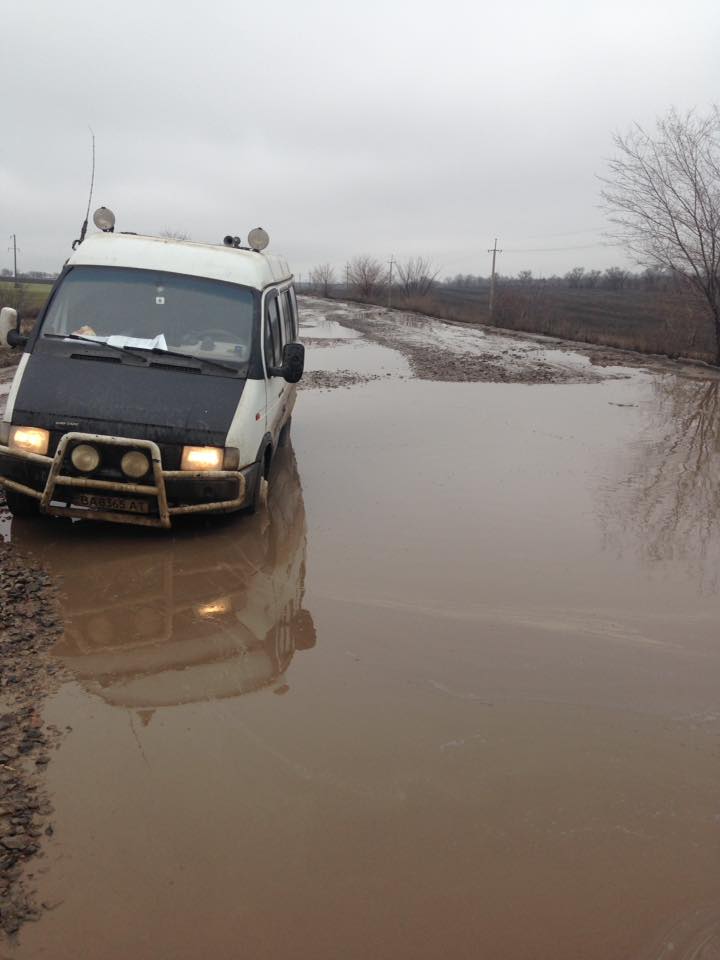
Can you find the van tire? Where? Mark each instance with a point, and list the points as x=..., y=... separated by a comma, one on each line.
x=252, y=505
x=284, y=437
x=259, y=493
x=21, y=505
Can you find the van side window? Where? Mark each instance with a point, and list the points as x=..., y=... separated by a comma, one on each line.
x=288, y=318
x=293, y=304
x=273, y=337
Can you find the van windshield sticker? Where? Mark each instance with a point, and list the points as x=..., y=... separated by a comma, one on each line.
x=156, y=343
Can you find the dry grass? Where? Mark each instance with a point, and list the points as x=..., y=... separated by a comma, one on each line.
x=668, y=323
x=27, y=298
x=8, y=357
x=672, y=324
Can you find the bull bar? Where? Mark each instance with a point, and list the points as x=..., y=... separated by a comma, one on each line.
x=156, y=489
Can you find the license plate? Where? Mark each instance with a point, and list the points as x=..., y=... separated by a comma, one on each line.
x=92, y=501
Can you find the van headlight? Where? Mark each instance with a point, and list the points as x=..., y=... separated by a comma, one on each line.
x=202, y=458
x=29, y=439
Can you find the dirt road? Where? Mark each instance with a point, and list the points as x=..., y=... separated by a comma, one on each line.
x=454, y=694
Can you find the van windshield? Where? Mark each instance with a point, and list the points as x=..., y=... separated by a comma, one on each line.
x=149, y=309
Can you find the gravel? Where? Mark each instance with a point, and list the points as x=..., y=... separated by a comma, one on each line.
x=332, y=379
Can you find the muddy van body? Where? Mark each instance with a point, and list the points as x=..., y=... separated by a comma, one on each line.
x=158, y=381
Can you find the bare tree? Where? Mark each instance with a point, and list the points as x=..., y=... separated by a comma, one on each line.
x=575, y=277
x=365, y=274
x=655, y=278
x=322, y=278
x=417, y=276
x=670, y=505
x=663, y=195
x=174, y=235
x=615, y=278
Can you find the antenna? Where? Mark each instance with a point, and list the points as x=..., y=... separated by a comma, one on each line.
x=83, y=229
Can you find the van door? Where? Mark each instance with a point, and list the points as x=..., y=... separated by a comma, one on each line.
x=275, y=386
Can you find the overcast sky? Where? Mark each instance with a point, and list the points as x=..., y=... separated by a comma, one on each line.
x=386, y=127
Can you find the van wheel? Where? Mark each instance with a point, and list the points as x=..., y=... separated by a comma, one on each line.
x=284, y=437
x=21, y=505
x=260, y=490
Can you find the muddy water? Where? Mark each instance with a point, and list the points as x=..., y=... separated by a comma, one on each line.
x=454, y=694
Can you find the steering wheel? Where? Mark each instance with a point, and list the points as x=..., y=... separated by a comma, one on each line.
x=193, y=336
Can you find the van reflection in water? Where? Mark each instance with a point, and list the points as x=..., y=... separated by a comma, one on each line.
x=214, y=611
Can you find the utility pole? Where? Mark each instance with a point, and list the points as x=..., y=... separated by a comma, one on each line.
x=494, y=251
x=347, y=278
x=14, y=240
x=391, y=261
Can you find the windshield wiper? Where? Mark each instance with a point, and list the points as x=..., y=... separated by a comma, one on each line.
x=97, y=343
x=158, y=351
x=140, y=352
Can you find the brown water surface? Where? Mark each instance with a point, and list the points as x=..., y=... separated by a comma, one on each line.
x=454, y=694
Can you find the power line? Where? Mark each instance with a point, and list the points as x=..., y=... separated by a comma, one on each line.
x=566, y=233
x=524, y=250
x=577, y=246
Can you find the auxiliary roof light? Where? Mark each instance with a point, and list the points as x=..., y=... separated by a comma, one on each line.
x=104, y=219
x=232, y=241
x=258, y=239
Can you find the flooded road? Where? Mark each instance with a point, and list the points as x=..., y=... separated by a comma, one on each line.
x=455, y=693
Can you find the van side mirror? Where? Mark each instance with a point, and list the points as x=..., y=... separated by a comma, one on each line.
x=293, y=363
x=10, y=335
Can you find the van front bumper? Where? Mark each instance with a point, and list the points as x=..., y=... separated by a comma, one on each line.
x=164, y=494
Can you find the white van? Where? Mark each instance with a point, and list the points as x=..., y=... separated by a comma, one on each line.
x=159, y=380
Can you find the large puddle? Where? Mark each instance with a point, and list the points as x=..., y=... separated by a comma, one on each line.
x=454, y=694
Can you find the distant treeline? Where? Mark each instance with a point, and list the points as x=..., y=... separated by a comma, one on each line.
x=30, y=276
x=613, y=278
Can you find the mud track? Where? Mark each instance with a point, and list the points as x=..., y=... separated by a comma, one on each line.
x=437, y=350
x=443, y=350
x=29, y=625
x=332, y=379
